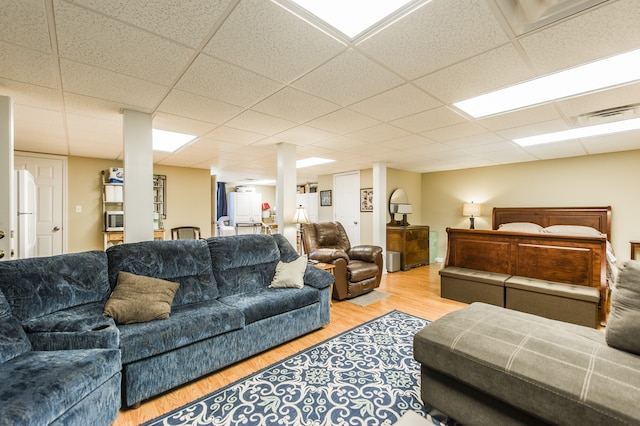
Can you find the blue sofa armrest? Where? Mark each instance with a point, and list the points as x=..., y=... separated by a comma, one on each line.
x=317, y=278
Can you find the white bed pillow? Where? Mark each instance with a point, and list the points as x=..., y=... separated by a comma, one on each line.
x=577, y=230
x=531, y=228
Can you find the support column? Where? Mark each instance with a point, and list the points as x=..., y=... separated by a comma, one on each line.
x=380, y=205
x=286, y=192
x=138, y=177
x=7, y=208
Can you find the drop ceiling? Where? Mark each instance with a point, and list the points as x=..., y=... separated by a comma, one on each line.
x=246, y=75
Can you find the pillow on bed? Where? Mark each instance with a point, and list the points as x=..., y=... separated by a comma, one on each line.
x=623, y=325
x=531, y=228
x=577, y=230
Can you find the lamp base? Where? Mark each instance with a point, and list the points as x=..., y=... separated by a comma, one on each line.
x=404, y=220
x=471, y=223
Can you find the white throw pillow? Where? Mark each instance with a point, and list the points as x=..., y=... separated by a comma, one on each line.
x=531, y=228
x=290, y=275
x=576, y=230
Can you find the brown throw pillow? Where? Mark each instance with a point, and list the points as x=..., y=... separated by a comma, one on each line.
x=140, y=299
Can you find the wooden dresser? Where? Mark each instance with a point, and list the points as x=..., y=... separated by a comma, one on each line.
x=412, y=242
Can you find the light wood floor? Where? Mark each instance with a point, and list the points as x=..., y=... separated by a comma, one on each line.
x=415, y=292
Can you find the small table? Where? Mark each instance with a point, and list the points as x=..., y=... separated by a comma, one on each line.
x=634, y=246
x=329, y=268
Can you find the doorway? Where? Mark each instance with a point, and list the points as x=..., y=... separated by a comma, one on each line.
x=347, y=204
x=49, y=173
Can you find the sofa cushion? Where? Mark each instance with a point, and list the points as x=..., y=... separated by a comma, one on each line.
x=38, y=286
x=13, y=340
x=243, y=263
x=38, y=387
x=290, y=275
x=140, y=299
x=187, y=324
x=79, y=327
x=267, y=303
x=623, y=326
x=563, y=372
x=185, y=262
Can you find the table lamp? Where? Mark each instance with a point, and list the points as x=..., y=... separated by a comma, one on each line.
x=266, y=213
x=472, y=210
x=404, y=210
x=298, y=218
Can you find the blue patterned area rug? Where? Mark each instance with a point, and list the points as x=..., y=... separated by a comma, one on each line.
x=365, y=376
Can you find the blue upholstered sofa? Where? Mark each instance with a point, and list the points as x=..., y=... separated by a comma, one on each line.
x=223, y=310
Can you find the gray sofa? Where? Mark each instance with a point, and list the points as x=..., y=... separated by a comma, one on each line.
x=487, y=365
x=222, y=312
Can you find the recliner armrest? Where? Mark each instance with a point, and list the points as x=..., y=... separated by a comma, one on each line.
x=327, y=255
x=366, y=253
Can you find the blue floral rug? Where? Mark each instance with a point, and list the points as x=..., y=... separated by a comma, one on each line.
x=365, y=376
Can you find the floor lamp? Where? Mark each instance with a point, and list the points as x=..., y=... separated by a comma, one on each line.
x=299, y=218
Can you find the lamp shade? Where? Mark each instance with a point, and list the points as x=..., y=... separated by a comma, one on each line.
x=404, y=209
x=301, y=216
x=471, y=209
x=265, y=206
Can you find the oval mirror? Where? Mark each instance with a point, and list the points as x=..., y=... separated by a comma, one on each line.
x=398, y=196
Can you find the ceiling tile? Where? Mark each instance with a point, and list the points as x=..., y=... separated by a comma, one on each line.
x=378, y=133
x=348, y=78
x=24, y=22
x=168, y=18
x=236, y=136
x=224, y=82
x=257, y=122
x=342, y=122
x=495, y=69
x=176, y=123
x=96, y=40
x=538, y=114
x=187, y=104
x=598, y=33
x=549, y=151
x=395, y=103
x=408, y=143
x=299, y=135
x=31, y=95
x=252, y=38
x=295, y=105
x=435, y=36
x=455, y=131
x=27, y=66
x=429, y=120
x=612, y=143
x=98, y=83
x=621, y=96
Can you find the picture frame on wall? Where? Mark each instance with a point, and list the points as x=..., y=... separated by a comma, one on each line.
x=325, y=198
x=366, y=200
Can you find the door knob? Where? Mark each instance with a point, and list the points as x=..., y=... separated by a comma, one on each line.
x=1, y=234
x=56, y=229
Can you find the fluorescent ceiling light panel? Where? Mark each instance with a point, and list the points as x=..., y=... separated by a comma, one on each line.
x=311, y=161
x=164, y=140
x=582, y=132
x=352, y=17
x=601, y=74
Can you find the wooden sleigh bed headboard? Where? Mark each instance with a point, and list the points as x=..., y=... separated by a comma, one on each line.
x=594, y=217
x=579, y=260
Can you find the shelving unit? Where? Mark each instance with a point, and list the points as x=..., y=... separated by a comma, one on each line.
x=113, y=200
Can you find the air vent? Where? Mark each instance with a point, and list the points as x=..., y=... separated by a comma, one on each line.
x=624, y=112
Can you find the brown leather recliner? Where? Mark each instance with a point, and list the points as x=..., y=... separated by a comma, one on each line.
x=358, y=270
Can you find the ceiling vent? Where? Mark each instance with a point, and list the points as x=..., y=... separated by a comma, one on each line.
x=624, y=112
x=524, y=16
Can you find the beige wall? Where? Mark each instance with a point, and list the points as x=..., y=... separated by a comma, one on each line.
x=594, y=180
x=188, y=200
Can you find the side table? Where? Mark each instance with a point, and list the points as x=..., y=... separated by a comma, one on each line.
x=329, y=268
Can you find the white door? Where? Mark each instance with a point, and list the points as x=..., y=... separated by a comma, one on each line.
x=48, y=173
x=346, y=209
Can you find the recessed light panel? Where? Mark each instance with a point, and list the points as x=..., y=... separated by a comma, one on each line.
x=164, y=140
x=311, y=161
x=351, y=17
x=582, y=132
x=605, y=73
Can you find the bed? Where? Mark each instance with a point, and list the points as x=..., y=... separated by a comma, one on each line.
x=562, y=244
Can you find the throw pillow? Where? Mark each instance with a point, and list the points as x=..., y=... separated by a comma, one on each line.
x=623, y=325
x=140, y=299
x=290, y=275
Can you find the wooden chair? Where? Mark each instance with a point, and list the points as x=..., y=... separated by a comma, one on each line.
x=185, y=233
